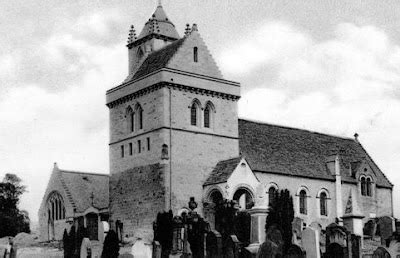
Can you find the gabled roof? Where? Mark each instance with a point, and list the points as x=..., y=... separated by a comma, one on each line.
x=222, y=171
x=159, y=24
x=290, y=151
x=81, y=187
x=158, y=59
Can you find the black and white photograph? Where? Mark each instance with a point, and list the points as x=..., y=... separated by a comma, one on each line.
x=203, y=129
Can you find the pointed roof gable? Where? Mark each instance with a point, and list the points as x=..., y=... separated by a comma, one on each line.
x=222, y=171
x=291, y=151
x=159, y=24
x=178, y=55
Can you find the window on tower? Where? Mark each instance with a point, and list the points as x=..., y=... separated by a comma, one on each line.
x=208, y=115
x=195, y=55
x=193, y=114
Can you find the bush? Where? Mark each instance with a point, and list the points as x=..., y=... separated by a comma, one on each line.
x=111, y=245
x=281, y=214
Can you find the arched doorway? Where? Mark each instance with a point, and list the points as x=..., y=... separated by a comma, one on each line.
x=214, y=199
x=244, y=198
x=92, y=226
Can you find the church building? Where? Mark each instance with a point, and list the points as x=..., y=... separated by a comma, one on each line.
x=175, y=134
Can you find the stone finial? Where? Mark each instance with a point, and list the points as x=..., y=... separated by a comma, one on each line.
x=356, y=137
x=132, y=35
x=187, y=29
x=55, y=165
x=194, y=27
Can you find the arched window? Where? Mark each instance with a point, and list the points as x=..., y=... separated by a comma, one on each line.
x=244, y=199
x=303, y=202
x=195, y=55
x=207, y=117
x=369, y=186
x=363, y=186
x=193, y=114
x=140, y=117
x=56, y=209
x=271, y=195
x=323, y=204
x=139, y=54
x=130, y=115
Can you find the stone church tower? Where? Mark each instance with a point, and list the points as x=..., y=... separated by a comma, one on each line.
x=171, y=121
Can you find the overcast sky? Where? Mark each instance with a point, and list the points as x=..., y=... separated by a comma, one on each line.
x=327, y=66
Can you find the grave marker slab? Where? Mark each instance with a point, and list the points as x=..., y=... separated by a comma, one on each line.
x=310, y=242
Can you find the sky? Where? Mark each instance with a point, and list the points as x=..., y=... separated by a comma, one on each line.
x=326, y=66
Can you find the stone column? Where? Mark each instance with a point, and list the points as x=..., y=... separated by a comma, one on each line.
x=257, y=230
x=338, y=184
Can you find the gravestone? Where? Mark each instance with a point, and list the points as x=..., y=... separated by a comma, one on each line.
x=336, y=234
x=125, y=255
x=334, y=250
x=386, y=229
x=381, y=252
x=394, y=248
x=295, y=251
x=355, y=246
x=370, y=228
x=86, y=248
x=269, y=249
x=141, y=250
x=297, y=226
x=232, y=249
x=156, y=249
x=214, y=244
x=310, y=242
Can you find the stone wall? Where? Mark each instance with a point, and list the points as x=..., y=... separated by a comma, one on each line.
x=313, y=187
x=54, y=184
x=136, y=196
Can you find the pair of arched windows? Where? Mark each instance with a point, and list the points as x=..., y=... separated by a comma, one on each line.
x=195, y=118
x=323, y=202
x=56, y=209
x=366, y=186
x=135, y=118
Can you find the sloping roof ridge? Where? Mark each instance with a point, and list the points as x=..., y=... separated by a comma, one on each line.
x=67, y=191
x=295, y=129
x=372, y=160
x=230, y=159
x=84, y=173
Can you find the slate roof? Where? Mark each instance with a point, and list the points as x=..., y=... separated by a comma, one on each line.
x=81, y=185
x=222, y=171
x=290, y=151
x=158, y=59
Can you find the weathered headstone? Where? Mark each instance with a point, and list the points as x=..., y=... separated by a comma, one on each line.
x=381, y=252
x=355, y=246
x=394, y=248
x=214, y=244
x=336, y=234
x=310, y=242
x=156, y=249
x=86, y=248
x=386, y=229
x=370, y=228
x=232, y=247
x=269, y=249
x=295, y=251
x=297, y=226
x=141, y=250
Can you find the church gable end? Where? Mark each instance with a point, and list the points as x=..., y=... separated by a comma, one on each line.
x=194, y=57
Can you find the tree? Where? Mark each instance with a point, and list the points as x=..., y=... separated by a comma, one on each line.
x=281, y=215
x=12, y=220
